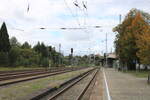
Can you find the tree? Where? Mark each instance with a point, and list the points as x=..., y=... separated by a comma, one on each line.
x=14, y=42
x=3, y=59
x=139, y=26
x=126, y=39
x=143, y=44
x=45, y=62
x=42, y=49
x=29, y=57
x=4, y=39
x=124, y=42
x=37, y=47
x=26, y=45
x=13, y=55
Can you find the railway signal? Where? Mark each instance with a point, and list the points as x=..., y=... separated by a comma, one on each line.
x=71, y=50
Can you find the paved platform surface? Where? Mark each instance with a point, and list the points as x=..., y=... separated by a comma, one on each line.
x=123, y=86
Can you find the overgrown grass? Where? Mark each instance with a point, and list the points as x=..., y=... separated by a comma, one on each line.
x=140, y=74
x=12, y=68
x=22, y=90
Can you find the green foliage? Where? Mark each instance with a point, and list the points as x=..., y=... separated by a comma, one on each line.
x=4, y=45
x=86, y=60
x=13, y=55
x=42, y=49
x=45, y=62
x=14, y=42
x=26, y=45
x=26, y=62
x=4, y=39
x=37, y=47
x=4, y=59
x=29, y=57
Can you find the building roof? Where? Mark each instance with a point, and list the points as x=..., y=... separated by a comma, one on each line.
x=112, y=55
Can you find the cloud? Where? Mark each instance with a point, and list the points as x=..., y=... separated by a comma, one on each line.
x=54, y=14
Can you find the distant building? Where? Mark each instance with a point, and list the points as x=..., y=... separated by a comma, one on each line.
x=111, y=59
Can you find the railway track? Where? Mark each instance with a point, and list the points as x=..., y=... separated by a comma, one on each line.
x=15, y=71
x=10, y=81
x=73, y=90
x=5, y=73
x=22, y=74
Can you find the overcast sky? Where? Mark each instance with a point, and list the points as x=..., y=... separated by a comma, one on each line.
x=54, y=14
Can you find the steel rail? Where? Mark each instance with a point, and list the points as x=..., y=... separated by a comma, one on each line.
x=26, y=74
x=36, y=77
x=87, y=86
x=68, y=87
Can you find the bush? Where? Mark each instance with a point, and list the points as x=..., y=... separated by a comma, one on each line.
x=45, y=62
x=28, y=57
x=13, y=55
x=4, y=59
x=22, y=62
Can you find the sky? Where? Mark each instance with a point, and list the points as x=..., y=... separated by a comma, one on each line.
x=25, y=24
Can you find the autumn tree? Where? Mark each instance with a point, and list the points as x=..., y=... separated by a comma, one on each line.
x=125, y=43
x=139, y=27
x=143, y=44
x=129, y=32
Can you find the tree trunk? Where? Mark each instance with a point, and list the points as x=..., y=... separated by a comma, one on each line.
x=139, y=67
x=131, y=65
x=146, y=68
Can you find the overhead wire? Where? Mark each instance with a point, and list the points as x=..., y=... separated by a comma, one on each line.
x=86, y=24
x=64, y=28
x=71, y=12
x=84, y=11
x=80, y=7
x=77, y=10
x=28, y=6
